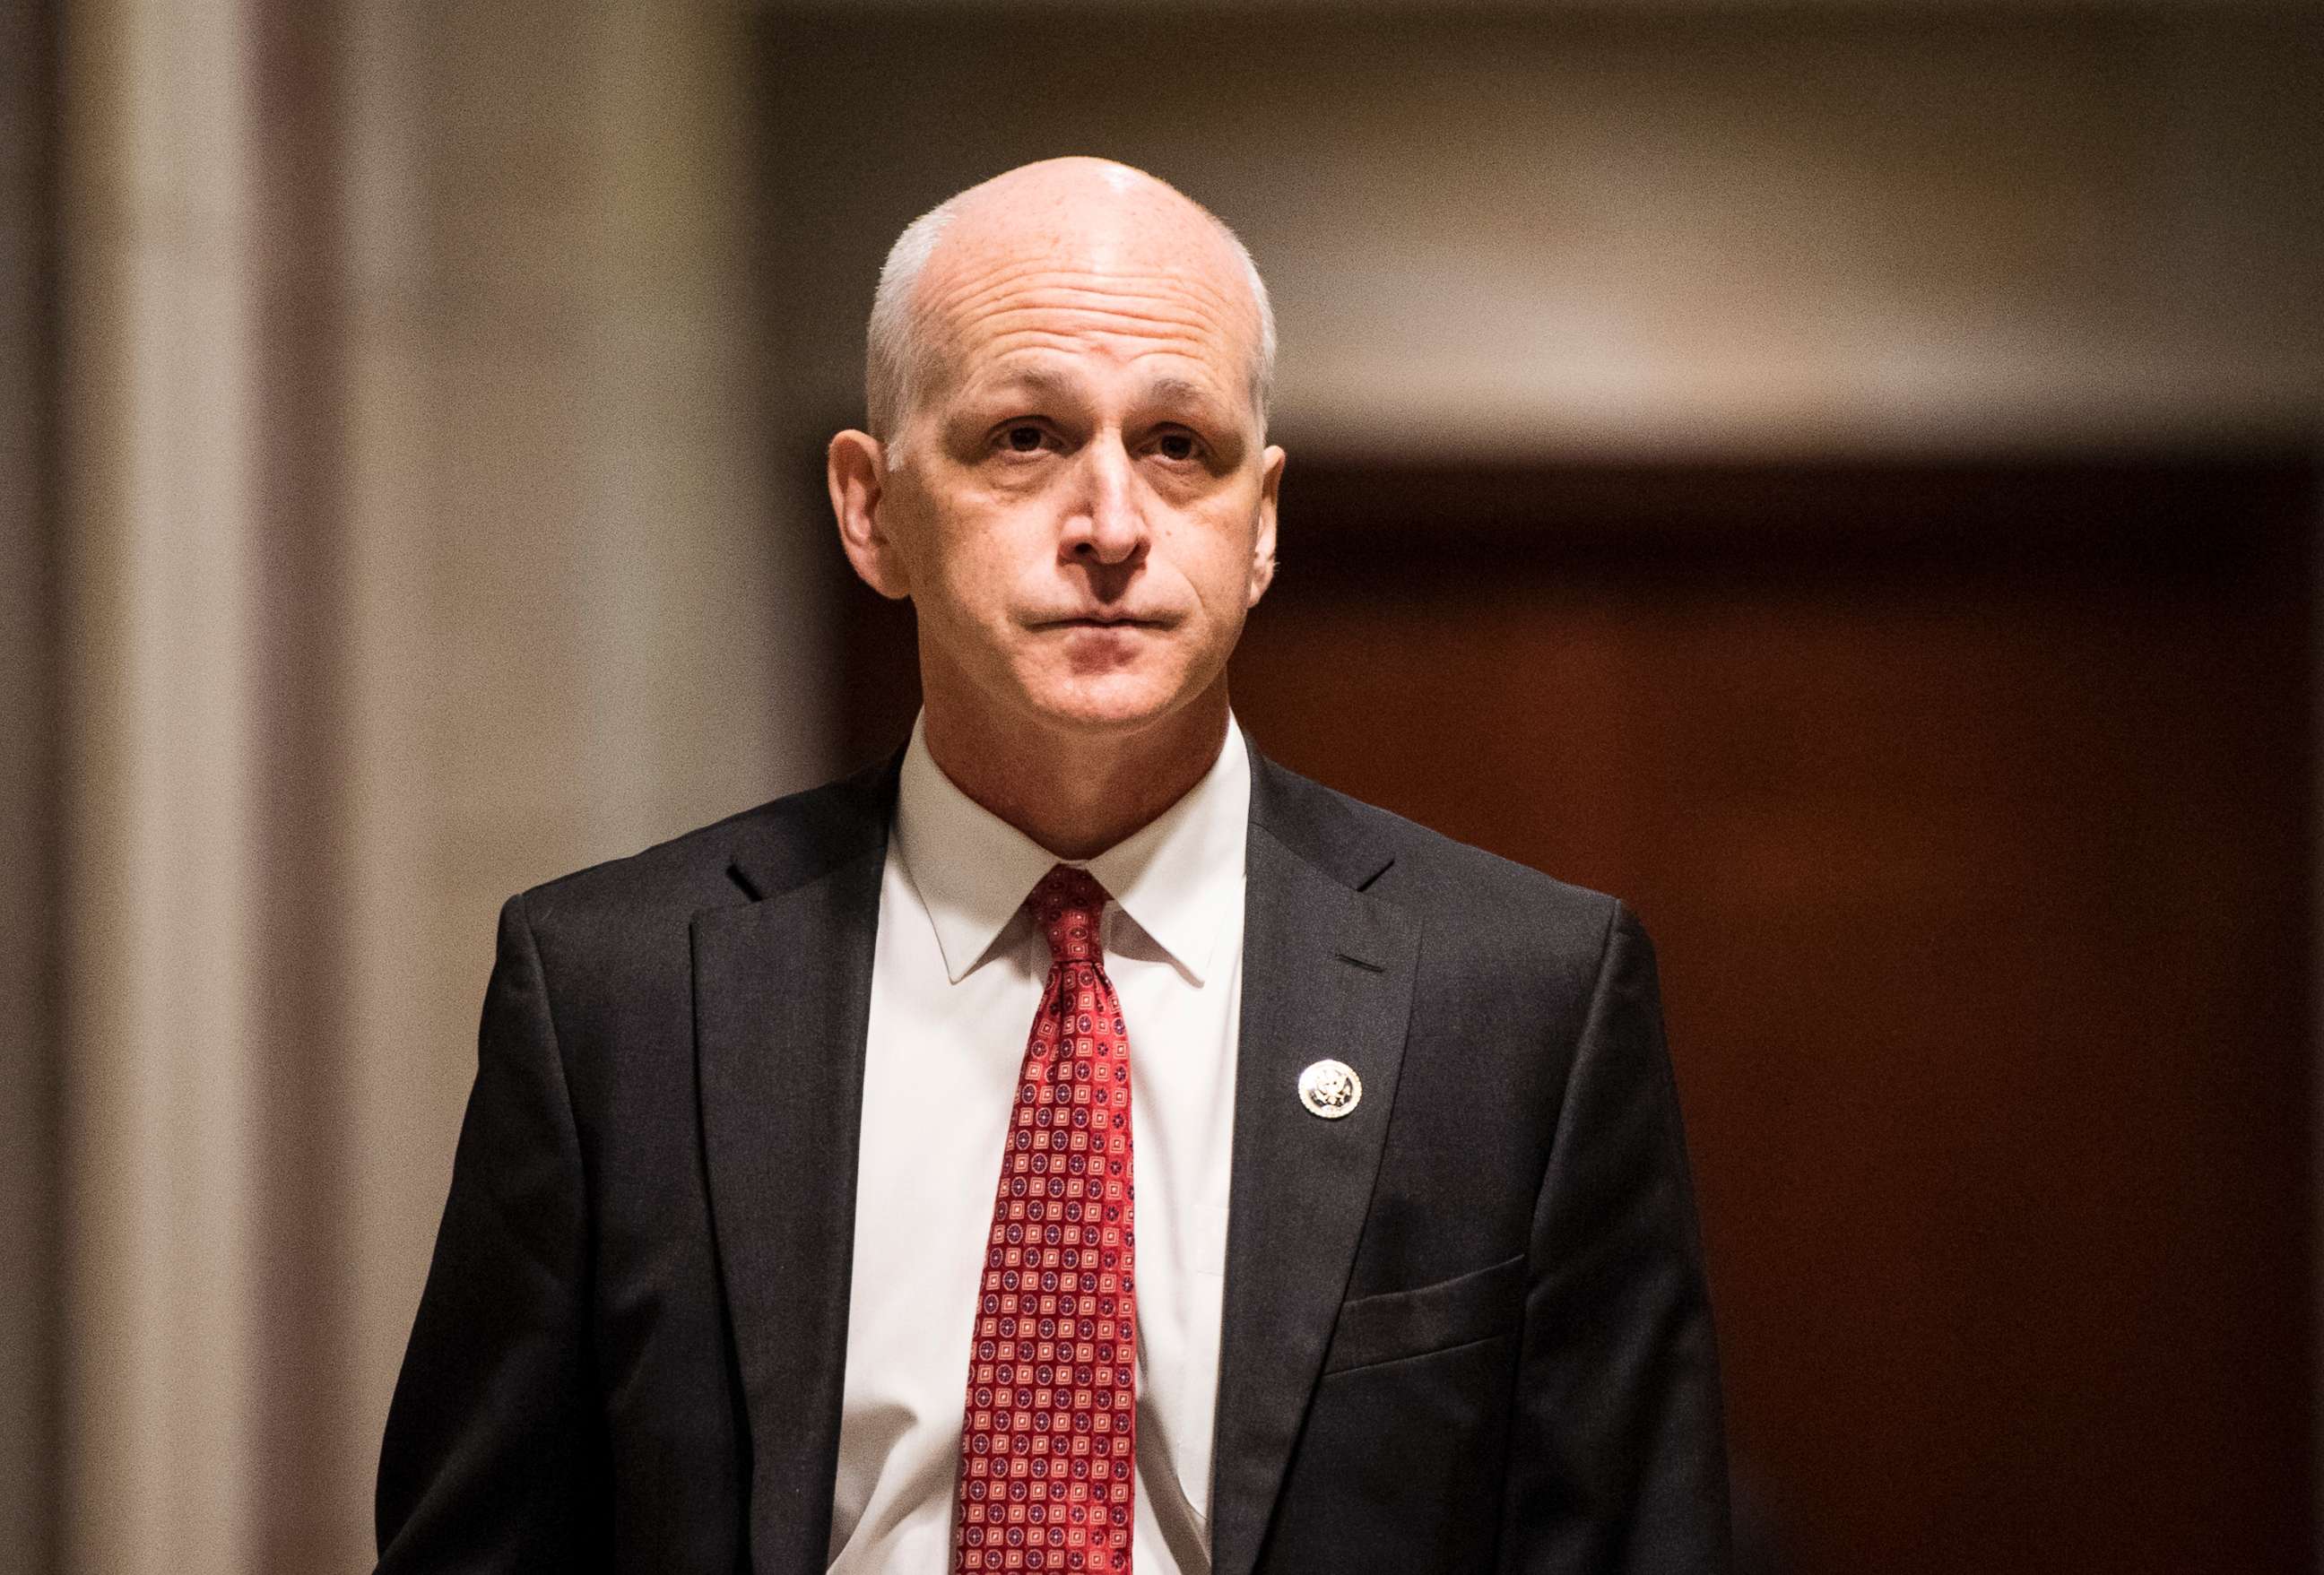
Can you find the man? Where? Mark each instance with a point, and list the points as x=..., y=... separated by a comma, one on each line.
x=1342, y=1221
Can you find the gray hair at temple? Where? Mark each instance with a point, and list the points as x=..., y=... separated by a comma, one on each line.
x=893, y=352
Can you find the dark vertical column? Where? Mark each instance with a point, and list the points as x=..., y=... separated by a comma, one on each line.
x=302, y=1394
x=29, y=721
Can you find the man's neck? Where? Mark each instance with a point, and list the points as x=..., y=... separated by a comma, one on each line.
x=1077, y=794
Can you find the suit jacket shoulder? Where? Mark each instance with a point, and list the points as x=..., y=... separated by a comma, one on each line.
x=745, y=856
x=1500, y=911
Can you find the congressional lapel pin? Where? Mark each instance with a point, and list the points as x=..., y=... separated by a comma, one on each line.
x=1330, y=1089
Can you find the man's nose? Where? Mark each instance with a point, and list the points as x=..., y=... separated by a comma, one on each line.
x=1108, y=521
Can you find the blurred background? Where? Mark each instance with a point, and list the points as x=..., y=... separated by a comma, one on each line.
x=1841, y=473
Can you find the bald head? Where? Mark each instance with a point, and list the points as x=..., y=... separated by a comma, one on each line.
x=1062, y=218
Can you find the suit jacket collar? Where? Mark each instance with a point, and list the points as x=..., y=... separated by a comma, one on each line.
x=782, y=994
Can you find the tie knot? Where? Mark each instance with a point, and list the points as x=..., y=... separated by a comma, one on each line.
x=1065, y=903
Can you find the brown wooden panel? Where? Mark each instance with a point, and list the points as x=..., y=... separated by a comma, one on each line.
x=1969, y=812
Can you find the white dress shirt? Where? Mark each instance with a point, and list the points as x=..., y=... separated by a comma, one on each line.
x=956, y=975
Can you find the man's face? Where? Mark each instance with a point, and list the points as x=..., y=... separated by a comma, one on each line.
x=1078, y=503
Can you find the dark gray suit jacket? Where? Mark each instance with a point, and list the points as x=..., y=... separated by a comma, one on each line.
x=1465, y=1326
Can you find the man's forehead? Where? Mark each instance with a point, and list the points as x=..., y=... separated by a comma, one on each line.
x=1049, y=328
x=1058, y=374
x=1131, y=272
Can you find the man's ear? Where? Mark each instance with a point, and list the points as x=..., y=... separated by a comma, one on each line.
x=855, y=470
x=1263, y=551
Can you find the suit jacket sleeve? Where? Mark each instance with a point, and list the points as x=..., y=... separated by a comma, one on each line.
x=1618, y=1462
x=493, y=1452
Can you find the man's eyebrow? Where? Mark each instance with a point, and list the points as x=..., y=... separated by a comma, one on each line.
x=1040, y=381
x=1167, y=390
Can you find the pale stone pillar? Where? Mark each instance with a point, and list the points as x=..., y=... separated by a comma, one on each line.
x=578, y=609
x=419, y=549
x=159, y=571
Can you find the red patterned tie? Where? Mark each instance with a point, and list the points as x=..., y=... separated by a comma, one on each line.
x=1049, y=1440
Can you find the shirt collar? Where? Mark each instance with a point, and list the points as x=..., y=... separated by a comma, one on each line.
x=1173, y=877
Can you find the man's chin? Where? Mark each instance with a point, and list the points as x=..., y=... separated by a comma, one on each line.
x=1108, y=706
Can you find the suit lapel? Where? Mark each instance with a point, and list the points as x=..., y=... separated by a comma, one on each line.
x=782, y=990
x=1327, y=972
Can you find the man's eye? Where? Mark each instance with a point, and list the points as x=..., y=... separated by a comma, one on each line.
x=1022, y=440
x=1176, y=445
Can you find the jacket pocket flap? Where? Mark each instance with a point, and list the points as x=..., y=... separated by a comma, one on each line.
x=1406, y=1323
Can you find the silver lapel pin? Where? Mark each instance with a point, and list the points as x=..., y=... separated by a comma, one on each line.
x=1330, y=1089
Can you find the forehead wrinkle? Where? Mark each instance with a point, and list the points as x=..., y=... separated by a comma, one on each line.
x=1040, y=379
x=1124, y=349
x=1037, y=277
x=958, y=292
x=1110, y=317
x=1101, y=311
x=1089, y=322
x=979, y=348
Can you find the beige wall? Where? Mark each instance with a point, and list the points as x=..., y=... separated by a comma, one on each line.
x=1646, y=229
x=418, y=550
x=575, y=619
